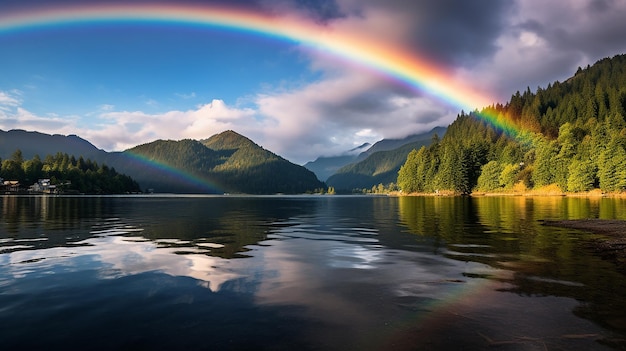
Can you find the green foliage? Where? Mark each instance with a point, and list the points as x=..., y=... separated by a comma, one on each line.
x=508, y=176
x=570, y=134
x=231, y=162
x=379, y=167
x=68, y=174
x=581, y=175
x=489, y=179
x=409, y=179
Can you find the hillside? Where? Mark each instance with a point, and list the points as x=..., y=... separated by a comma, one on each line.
x=569, y=136
x=227, y=162
x=249, y=168
x=325, y=166
x=380, y=167
x=391, y=144
x=35, y=143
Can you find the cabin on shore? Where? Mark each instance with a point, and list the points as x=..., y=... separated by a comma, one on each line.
x=9, y=186
x=43, y=186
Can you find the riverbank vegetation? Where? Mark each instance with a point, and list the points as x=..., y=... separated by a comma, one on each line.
x=569, y=137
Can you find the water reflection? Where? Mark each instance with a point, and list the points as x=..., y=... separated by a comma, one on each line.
x=309, y=272
x=534, y=260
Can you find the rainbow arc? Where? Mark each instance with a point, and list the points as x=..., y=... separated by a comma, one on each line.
x=387, y=60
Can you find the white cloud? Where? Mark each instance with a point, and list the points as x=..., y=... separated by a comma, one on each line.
x=14, y=116
x=120, y=130
x=532, y=43
x=9, y=100
x=326, y=117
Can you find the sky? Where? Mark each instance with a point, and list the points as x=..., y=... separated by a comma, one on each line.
x=119, y=84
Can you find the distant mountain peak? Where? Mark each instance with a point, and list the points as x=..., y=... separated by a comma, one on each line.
x=227, y=140
x=33, y=143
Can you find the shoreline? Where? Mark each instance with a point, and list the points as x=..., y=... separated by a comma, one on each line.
x=611, y=247
x=588, y=194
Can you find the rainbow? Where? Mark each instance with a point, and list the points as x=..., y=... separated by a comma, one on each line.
x=189, y=179
x=390, y=61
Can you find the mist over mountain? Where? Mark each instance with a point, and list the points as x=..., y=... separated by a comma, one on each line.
x=380, y=163
x=325, y=166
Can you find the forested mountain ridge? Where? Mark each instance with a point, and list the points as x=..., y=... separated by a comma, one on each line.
x=35, y=143
x=228, y=162
x=570, y=135
x=237, y=151
x=392, y=144
x=380, y=163
x=325, y=166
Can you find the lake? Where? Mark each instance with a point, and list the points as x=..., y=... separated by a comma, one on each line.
x=306, y=273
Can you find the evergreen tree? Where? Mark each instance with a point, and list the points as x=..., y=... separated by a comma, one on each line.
x=489, y=179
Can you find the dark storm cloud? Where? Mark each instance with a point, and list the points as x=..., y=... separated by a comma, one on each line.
x=449, y=31
x=600, y=5
x=318, y=10
x=547, y=41
x=597, y=31
x=459, y=32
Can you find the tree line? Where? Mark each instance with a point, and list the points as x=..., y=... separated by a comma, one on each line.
x=570, y=136
x=70, y=174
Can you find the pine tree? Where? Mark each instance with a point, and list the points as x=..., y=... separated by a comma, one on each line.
x=489, y=179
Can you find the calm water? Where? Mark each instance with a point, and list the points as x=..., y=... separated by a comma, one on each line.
x=305, y=273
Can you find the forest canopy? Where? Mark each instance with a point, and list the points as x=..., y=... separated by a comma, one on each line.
x=68, y=174
x=570, y=136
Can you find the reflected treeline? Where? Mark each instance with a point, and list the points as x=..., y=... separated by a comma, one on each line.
x=218, y=226
x=49, y=212
x=506, y=233
x=49, y=220
x=41, y=212
x=232, y=223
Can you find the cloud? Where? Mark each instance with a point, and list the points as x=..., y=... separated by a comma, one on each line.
x=498, y=47
x=20, y=118
x=547, y=41
x=14, y=116
x=329, y=116
x=445, y=31
x=9, y=100
x=299, y=125
x=120, y=130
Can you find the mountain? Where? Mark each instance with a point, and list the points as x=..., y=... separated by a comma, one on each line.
x=249, y=168
x=567, y=137
x=33, y=143
x=227, y=162
x=391, y=144
x=380, y=163
x=325, y=166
